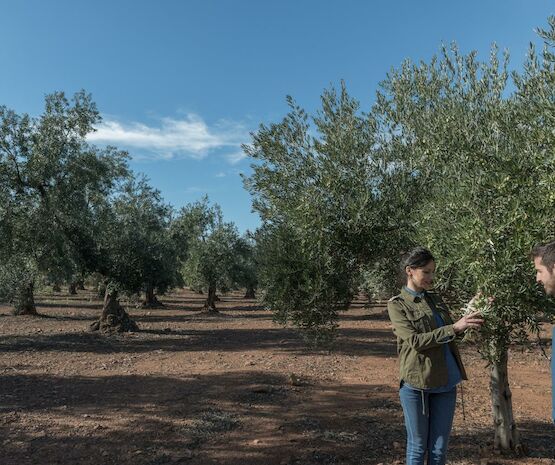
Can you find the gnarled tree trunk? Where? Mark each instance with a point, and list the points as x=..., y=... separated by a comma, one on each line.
x=210, y=303
x=101, y=290
x=24, y=302
x=114, y=318
x=250, y=294
x=150, y=298
x=507, y=437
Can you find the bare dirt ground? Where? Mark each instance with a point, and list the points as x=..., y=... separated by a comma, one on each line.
x=232, y=389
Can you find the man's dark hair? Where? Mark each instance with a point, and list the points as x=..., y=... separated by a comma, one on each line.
x=418, y=257
x=547, y=254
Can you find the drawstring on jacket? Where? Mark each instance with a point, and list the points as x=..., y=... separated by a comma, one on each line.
x=462, y=401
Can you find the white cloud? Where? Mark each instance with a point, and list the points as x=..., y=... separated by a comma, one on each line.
x=236, y=157
x=221, y=175
x=174, y=138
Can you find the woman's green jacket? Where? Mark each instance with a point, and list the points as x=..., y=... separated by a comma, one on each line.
x=420, y=342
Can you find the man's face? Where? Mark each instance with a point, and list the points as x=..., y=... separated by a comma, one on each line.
x=545, y=276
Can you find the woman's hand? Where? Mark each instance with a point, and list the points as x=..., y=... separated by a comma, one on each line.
x=471, y=321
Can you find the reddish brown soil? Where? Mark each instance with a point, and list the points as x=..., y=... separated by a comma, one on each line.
x=231, y=389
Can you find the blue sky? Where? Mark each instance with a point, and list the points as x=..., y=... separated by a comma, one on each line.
x=181, y=84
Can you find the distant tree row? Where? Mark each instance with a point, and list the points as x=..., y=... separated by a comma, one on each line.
x=69, y=210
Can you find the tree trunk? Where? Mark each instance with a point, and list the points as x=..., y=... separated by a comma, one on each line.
x=250, y=294
x=81, y=284
x=101, y=290
x=507, y=437
x=56, y=287
x=24, y=302
x=150, y=298
x=72, y=289
x=114, y=318
x=210, y=303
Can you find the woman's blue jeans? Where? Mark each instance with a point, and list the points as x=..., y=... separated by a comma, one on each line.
x=429, y=425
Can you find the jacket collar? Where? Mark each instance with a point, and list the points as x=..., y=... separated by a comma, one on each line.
x=411, y=296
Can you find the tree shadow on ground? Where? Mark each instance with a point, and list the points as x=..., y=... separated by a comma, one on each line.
x=73, y=317
x=248, y=418
x=198, y=315
x=73, y=305
x=370, y=316
x=243, y=308
x=241, y=418
x=183, y=301
x=358, y=341
x=261, y=315
x=60, y=296
x=537, y=436
x=349, y=341
x=221, y=306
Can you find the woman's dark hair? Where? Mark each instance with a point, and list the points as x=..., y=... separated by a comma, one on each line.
x=418, y=257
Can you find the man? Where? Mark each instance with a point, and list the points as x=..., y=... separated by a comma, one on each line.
x=544, y=261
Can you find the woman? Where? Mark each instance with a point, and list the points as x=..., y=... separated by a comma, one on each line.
x=430, y=363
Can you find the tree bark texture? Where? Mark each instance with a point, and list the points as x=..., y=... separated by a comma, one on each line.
x=101, y=290
x=114, y=318
x=250, y=294
x=24, y=302
x=72, y=288
x=210, y=303
x=150, y=298
x=507, y=437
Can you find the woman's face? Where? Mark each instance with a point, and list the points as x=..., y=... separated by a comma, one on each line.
x=421, y=279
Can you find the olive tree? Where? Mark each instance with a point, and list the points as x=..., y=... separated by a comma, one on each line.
x=212, y=249
x=317, y=185
x=48, y=176
x=134, y=250
x=486, y=191
x=245, y=272
x=147, y=219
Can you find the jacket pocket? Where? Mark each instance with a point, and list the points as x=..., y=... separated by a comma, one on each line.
x=419, y=320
